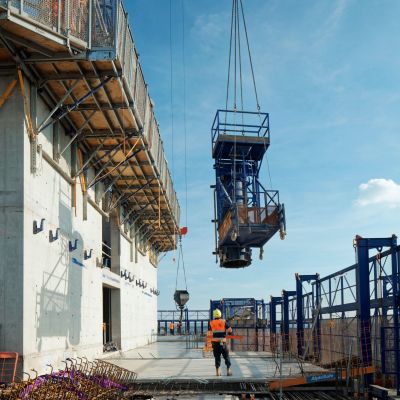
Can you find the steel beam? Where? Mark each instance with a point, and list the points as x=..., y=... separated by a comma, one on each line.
x=363, y=245
x=66, y=76
x=300, y=311
x=63, y=112
x=102, y=107
x=285, y=317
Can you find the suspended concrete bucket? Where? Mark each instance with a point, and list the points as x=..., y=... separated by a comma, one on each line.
x=181, y=297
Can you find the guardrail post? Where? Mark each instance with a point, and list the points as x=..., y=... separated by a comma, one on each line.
x=274, y=302
x=300, y=311
x=364, y=303
x=286, y=327
x=90, y=24
x=395, y=285
x=68, y=17
x=317, y=328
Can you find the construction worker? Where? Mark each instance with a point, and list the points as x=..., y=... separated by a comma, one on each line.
x=219, y=328
x=171, y=328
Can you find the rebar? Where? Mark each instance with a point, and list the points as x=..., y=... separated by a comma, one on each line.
x=79, y=380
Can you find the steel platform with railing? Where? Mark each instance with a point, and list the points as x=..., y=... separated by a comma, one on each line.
x=81, y=57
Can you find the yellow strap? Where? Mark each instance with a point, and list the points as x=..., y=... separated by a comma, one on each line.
x=159, y=207
x=31, y=132
x=82, y=175
x=74, y=195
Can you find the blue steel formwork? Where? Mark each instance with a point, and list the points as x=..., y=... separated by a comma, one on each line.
x=275, y=321
x=350, y=317
x=235, y=307
x=246, y=214
x=248, y=318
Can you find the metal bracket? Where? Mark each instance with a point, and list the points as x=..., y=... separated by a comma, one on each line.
x=106, y=263
x=73, y=247
x=63, y=112
x=36, y=228
x=52, y=237
x=87, y=255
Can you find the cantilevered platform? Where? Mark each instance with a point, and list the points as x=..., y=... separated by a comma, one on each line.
x=81, y=58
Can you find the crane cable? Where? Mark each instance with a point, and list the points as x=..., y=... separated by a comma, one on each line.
x=184, y=111
x=235, y=58
x=250, y=57
x=254, y=82
x=180, y=257
x=172, y=109
x=171, y=88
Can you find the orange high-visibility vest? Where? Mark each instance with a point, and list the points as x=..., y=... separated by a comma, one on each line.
x=171, y=325
x=218, y=328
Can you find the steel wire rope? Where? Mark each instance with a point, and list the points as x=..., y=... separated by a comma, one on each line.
x=171, y=88
x=180, y=257
x=254, y=85
x=229, y=64
x=250, y=57
x=172, y=105
x=234, y=115
x=180, y=249
x=184, y=111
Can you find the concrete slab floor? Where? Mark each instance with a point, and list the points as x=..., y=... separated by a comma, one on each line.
x=197, y=397
x=171, y=360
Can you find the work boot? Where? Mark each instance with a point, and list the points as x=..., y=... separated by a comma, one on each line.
x=218, y=371
x=229, y=372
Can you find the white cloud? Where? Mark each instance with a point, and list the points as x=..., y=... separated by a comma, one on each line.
x=379, y=191
x=210, y=278
x=208, y=29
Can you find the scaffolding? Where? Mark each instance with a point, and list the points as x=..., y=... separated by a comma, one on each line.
x=80, y=56
x=347, y=320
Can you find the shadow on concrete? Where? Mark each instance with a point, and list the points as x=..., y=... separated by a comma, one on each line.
x=58, y=305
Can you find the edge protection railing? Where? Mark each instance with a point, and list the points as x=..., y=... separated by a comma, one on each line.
x=245, y=123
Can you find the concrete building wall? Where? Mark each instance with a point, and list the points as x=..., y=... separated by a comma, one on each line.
x=139, y=320
x=52, y=297
x=11, y=220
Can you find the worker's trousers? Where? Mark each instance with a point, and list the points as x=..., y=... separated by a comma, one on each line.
x=218, y=350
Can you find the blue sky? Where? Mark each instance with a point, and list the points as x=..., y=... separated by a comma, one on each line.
x=328, y=73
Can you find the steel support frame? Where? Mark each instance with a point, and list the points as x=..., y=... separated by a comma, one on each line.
x=300, y=310
x=275, y=301
x=285, y=318
x=332, y=300
x=363, y=245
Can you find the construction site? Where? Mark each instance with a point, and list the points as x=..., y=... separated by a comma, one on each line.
x=89, y=209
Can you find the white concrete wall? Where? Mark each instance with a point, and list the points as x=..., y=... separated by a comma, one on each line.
x=44, y=288
x=11, y=220
x=138, y=306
